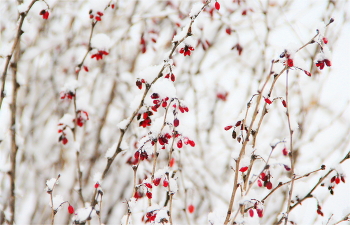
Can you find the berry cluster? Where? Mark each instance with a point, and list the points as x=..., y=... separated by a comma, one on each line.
x=67, y=95
x=99, y=55
x=146, y=119
x=82, y=117
x=264, y=180
x=186, y=50
x=97, y=16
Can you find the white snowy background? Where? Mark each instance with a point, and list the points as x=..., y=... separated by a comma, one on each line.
x=51, y=51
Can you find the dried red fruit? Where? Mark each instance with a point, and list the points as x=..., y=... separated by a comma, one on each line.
x=97, y=18
x=165, y=183
x=290, y=62
x=70, y=209
x=172, y=77
x=251, y=212
x=192, y=143
x=86, y=68
x=149, y=195
x=228, y=31
x=97, y=185
x=190, y=208
x=243, y=169
x=217, y=5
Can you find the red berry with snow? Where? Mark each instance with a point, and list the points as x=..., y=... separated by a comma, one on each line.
x=156, y=181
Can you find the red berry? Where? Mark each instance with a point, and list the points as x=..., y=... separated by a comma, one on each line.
x=97, y=18
x=262, y=176
x=112, y=6
x=268, y=101
x=172, y=162
x=251, y=212
x=176, y=122
x=86, y=68
x=269, y=185
x=243, y=169
x=337, y=180
x=192, y=143
x=228, y=31
x=217, y=5
x=70, y=209
x=307, y=73
x=156, y=181
x=228, y=127
x=290, y=62
x=97, y=185
x=319, y=212
x=190, y=208
x=137, y=155
x=149, y=195
x=284, y=103
x=332, y=179
x=342, y=178
x=325, y=40
x=165, y=183
x=172, y=77
x=260, y=183
x=260, y=212
x=328, y=63
x=179, y=144
x=148, y=185
x=64, y=140
x=287, y=167
x=285, y=151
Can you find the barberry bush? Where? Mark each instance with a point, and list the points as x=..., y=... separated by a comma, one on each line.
x=174, y=112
